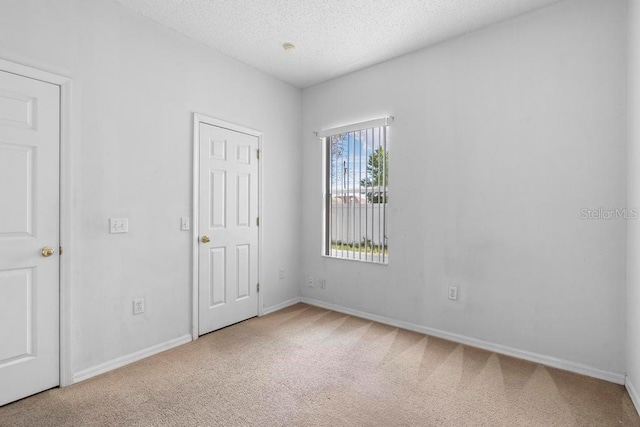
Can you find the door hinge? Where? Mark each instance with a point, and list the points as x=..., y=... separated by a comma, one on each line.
x=258, y=221
x=258, y=153
x=60, y=251
x=258, y=288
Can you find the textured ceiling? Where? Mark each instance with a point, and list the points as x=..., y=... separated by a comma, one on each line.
x=333, y=37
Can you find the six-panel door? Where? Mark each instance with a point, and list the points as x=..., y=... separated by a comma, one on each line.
x=228, y=263
x=29, y=232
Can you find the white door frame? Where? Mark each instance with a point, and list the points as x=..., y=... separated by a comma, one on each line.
x=197, y=119
x=66, y=376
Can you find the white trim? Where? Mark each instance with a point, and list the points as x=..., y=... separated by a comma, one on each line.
x=280, y=306
x=65, y=84
x=383, y=121
x=194, y=226
x=197, y=119
x=66, y=212
x=260, y=227
x=201, y=118
x=130, y=358
x=635, y=397
x=33, y=73
x=566, y=365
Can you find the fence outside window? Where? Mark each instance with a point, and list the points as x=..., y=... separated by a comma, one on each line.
x=357, y=195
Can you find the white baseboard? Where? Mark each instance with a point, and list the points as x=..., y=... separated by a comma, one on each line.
x=486, y=345
x=633, y=393
x=150, y=351
x=280, y=306
x=130, y=358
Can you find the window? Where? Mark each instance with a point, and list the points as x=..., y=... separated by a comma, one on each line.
x=356, y=192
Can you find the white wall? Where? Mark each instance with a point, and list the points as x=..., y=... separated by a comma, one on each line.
x=136, y=86
x=507, y=133
x=633, y=187
x=501, y=137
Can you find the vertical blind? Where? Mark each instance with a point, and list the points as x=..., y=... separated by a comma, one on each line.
x=356, y=191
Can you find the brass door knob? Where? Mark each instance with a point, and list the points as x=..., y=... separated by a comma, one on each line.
x=205, y=239
x=47, y=251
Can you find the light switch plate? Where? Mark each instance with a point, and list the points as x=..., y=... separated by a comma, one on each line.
x=184, y=223
x=118, y=225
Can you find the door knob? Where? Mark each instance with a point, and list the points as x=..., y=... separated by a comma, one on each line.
x=47, y=251
x=205, y=239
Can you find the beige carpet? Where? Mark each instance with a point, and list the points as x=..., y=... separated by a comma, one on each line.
x=306, y=366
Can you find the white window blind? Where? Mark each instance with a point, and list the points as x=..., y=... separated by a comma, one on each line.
x=357, y=191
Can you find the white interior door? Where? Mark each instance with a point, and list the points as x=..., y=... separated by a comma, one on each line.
x=228, y=229
x=29, y=236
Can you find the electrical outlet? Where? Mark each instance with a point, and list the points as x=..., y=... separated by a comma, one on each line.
x=323, y=284
x=281, y=272
x=138, y=306
x=118, y=225
x=310, y=281
x=184, y=223
x=453, y=292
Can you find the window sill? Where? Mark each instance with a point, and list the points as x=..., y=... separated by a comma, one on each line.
x=362, y=261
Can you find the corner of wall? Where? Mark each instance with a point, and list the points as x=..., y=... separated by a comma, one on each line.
x=632, y=336
x=633, y=394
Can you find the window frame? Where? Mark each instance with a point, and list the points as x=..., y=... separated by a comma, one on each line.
x=382, y=126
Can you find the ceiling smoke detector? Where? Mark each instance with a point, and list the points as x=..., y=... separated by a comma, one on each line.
x=289, y=47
